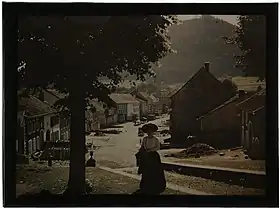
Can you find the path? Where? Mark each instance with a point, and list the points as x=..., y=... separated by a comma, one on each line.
x=120, y=148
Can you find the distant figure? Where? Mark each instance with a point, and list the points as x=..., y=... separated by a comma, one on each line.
x=149, y=163
x=91, y=161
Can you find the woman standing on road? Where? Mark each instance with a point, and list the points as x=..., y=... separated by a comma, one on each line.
x=149, y=163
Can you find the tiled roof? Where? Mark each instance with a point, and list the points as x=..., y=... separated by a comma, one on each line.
x=33, y=106
x=123, y=98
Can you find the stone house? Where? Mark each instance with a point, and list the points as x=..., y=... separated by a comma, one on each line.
x=37, y=123
x=220, y=126
x=253, y=124
x=201, y=93
x=143, y=102
x=127, y=106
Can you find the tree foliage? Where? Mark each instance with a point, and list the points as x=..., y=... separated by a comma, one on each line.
x=250, y=37
x=73, y=53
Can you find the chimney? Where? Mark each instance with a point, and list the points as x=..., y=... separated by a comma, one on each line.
x=206, y=66
x=241, y=93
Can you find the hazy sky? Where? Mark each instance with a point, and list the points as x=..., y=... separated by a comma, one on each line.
x=229, y=18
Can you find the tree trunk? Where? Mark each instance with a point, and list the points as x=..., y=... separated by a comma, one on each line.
x=76, y=183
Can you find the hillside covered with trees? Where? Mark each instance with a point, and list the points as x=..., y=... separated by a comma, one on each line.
x=196, y=41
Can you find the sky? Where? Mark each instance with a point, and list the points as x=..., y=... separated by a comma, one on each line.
x=229, y=18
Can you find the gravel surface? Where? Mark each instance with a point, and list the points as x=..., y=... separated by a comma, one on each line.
x=205, y=185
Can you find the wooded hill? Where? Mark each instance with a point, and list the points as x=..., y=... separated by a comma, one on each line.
x=196, y=41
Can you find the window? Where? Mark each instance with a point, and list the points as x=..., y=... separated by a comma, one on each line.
x=122, y=108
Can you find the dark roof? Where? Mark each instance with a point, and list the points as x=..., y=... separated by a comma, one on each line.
x=55, y=96
x=254, y=102
x=235, y=98
x=32, y=106
x=123, y=98
x=258, y=109
x=202, y=69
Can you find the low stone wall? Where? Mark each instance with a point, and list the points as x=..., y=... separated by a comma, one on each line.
x=246, y=178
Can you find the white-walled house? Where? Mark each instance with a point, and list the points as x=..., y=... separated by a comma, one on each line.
x=34, y=124
x=127, y=106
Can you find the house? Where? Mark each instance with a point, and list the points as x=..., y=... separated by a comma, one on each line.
x=164, y=101
x=51, y=96
x=253, y=124
x=143, y=102
x=153, y=107
x=220, y=126
x=199, y=95
x=103, y=114
x=91, y=121
x=111, y=115
x=127, y=106
x=38, y=123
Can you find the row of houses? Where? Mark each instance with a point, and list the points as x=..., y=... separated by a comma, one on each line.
x=203, y=107
x=40, y=120
x=136, y=104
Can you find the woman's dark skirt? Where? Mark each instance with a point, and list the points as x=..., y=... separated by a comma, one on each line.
x=153, y=179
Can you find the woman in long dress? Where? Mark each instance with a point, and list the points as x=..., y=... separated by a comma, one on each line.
x=149, y=163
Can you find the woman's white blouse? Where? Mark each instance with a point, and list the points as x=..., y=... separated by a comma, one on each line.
x=151, y=144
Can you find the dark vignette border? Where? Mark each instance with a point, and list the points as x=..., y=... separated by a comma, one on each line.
x=10, y=13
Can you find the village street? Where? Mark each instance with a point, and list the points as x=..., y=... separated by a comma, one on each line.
x=114, y=153
x=118, y=150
